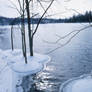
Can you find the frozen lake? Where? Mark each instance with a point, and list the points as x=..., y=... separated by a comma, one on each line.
x=71, y=60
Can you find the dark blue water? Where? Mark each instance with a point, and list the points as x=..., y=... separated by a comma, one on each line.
x=72, y=60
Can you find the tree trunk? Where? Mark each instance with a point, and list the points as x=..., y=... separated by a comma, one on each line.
x=23, y=34
x=29, y=29
x=31, y=48
x=12, y=37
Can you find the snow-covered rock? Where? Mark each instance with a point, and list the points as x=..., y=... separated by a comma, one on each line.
x=80, y=84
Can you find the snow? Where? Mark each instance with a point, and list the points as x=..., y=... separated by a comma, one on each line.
x=5, y=77
x=80, y=84
x=35, y=63
x=83, y=85
x=13, y=68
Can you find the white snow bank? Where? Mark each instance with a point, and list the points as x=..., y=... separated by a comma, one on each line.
x=17, y=63
x=81, y=84
x=8, y=78
x=5, y=77
x=13, y=68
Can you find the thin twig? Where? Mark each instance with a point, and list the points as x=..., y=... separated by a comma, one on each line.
x=62, y=45
x=41, y=18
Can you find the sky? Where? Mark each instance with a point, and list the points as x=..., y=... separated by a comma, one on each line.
x=59, y=9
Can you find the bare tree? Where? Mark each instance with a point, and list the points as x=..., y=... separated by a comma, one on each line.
x=12, y=23
x=24, y=6
x=21, y=11
x=31, y=33
x=23, y=29
x=12, y=37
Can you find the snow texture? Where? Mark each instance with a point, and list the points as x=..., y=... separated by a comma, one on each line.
x=80, y=84
x=13, y=68
x=35, y=63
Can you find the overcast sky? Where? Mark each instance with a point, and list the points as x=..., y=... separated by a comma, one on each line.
x=62, y=8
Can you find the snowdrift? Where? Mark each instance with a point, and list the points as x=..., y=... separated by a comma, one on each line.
x=80, y=84
x=13, y=68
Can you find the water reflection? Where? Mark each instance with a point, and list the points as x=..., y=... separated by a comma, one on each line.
x=70, y=61
x=4, y=38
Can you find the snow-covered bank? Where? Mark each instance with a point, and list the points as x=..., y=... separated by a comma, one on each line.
x=13, y=68
x=5, y=77
x=80, y=84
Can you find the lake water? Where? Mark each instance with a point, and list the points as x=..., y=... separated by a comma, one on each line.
x=69, y=61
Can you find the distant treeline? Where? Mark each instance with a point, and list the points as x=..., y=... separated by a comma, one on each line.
x=14, y=21
x=87, y=17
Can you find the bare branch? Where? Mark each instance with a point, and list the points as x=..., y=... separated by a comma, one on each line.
x=20, y=5
x=35, y=15
x=11, y=7
x=41, y=5
x=62, y=45
x=55, y=14
x=42, y=17
x=15, y=7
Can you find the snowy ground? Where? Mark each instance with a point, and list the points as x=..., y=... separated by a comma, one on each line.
x=13, y=68
x=5, y=77
x=80, y=84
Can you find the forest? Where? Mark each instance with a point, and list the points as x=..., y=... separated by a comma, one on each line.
x=84, y=18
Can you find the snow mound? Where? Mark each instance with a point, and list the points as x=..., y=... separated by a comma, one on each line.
x=81, y=84
x=13, y=68
x=17, y=63
x=22, y=67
